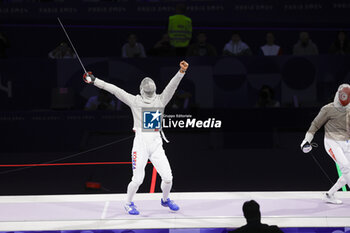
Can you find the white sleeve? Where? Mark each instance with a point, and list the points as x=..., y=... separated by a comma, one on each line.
x=309, y=137
x=122, y=95
x=170, y=89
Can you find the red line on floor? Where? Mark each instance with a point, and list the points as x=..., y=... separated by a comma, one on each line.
x=62, y=164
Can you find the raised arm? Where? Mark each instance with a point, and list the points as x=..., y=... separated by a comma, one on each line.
x=118, y=92
x=170, y=89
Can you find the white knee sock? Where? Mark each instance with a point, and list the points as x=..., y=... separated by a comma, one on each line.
x=347, y=178
x=345, y=169
x=340, y=183
x=132, y=189
x=166, y=187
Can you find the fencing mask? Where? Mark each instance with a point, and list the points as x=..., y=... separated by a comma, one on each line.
x=342, y=97
x=148, y=89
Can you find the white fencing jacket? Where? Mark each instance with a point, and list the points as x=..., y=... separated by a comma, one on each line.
x=136, y=103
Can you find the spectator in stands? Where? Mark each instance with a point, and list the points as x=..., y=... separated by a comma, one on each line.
x=341, y=45
x=251, y=211
x=4, y=44
x=267, y=98
x=133, y=48
x=201, y=48
x=102, y=101
x=270, y=48
x=305, y=46
x=62, y=51
x=163, y=48
x=180, y=30
x=236, y=47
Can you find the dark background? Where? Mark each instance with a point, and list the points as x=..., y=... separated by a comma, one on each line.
x=257, y=149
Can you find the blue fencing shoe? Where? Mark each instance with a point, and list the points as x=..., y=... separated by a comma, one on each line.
x=131, y=209
x=171, y=204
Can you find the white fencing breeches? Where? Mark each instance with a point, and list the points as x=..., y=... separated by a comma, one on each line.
x=148, y=146
x=340, y=153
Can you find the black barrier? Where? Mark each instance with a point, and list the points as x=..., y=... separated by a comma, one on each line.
x=255, y=149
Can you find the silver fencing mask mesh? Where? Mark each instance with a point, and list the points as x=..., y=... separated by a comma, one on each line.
x=148, y=89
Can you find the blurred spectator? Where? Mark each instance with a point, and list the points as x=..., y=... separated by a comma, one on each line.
x=341, y=45
x=305, y=46
x=236, y=47
x=180, y=30
x=201, y=48
x=133, y=48
x=251, y=211
x=163, y=48
x=62, y=51
x=4, y=44
x=266, y=98
x=103, y=101
x=270, y=48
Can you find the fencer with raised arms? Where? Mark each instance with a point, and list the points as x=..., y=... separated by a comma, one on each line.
x=147, y=145
x=335, y=118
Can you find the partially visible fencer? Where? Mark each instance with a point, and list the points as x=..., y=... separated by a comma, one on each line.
x=335, y=118
x=147, y=145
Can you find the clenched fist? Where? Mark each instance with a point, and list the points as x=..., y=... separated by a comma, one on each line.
x=183, y=66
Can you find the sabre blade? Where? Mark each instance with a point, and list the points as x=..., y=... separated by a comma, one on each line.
x=75, y=51
x=319, y=165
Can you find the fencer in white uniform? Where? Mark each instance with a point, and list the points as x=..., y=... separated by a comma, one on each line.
x=335, y=118
x=147, y=145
